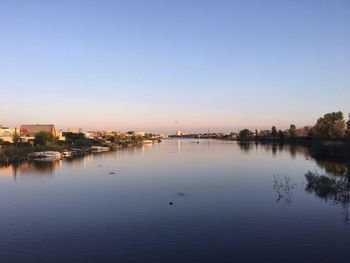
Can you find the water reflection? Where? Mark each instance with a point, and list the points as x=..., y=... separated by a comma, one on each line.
x=333, y=189
x=333, y=159
x=246, y=147
x=31, y=168
x=212, y=192
x=284, y=189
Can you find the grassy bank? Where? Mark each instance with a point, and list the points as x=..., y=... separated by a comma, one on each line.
x=17, y=154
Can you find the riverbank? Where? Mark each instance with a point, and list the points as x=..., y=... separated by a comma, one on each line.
x=13, y=154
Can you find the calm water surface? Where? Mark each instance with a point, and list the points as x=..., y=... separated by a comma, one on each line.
x=230, y=203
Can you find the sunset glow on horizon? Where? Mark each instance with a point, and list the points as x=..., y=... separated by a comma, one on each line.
x=162, y=66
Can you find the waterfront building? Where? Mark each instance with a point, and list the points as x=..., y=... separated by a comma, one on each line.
x=6, y=134
x=28, y=131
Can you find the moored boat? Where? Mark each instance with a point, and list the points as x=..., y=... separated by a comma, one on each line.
x=47, y=155
x=66, y=154
x=99, y=149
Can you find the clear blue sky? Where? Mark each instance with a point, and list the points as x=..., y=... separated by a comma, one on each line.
x=173, y=64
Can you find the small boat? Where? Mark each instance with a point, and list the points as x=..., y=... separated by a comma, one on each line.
x=66, y=154
x=147, y=142
x=99, y=149
x=48, y=155
x=77, y=152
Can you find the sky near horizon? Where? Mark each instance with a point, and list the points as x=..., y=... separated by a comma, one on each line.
x=164, y=65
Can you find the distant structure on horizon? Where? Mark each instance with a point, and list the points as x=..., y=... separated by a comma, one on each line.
x=75, y=130
x=178, y=133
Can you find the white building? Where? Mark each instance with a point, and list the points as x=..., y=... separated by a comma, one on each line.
x=89, y=135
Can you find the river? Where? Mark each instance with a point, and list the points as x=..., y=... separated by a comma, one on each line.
x=178, y=201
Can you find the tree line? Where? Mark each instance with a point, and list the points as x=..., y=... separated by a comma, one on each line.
x=330, y=127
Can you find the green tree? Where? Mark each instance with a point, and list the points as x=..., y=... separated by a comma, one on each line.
x=330, y=127
x=43, y=138
x=280, y=135
x=274, y=131
x=16, y=138
x=245, y=135
x=292, y=131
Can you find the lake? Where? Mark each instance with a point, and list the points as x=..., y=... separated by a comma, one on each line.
x=178, y=201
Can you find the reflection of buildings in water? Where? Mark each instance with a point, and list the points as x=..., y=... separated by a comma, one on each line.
x=39, y=167
x=178, y=143
x=31, y=168
x=333, y=168
x=6, y=170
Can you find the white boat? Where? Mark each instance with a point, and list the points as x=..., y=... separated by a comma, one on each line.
x=48, y=155
x=66, y=154
x=99, y=149
x=147, y=142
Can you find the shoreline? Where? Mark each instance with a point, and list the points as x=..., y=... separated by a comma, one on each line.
x=13, y=155
x=17, y=155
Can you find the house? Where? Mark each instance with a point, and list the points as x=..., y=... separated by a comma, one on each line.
x=6, y=134
x=31, y=130
x=28, y=131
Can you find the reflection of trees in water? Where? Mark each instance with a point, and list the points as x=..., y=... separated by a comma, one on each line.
x=332, y=157
x=335, y=189
x=284, y=188
x=274, y=148
x=36, y=168
x=267, y=146
x=334, y=168
x=246, y=146
x=43, y=167
x=76, y=160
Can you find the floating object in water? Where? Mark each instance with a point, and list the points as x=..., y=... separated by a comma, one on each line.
x=66, y=154
x=111, y=173
x=197, y=141
x=180, y=194
x=98, y=149
x=45, y=156
x=170, y=203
